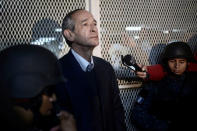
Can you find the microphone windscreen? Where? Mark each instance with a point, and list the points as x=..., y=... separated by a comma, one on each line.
x=129, y=60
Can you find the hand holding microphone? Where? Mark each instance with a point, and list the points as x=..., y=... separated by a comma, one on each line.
x=130, y=62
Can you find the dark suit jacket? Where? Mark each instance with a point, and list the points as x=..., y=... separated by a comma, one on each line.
x=75, y=95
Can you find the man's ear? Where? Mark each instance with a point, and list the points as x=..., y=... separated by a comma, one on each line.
x=69, y=35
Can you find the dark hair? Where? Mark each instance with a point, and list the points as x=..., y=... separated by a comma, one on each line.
x=69, y=23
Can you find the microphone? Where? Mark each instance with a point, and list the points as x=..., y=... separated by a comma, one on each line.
x=130, y=62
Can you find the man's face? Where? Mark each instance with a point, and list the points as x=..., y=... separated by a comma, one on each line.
x=177, y=65
x=86, y=32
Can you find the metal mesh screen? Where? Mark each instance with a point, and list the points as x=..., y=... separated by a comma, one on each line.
x=36, y=22
x=142, y=28
x=137, y=27
x=128, y=97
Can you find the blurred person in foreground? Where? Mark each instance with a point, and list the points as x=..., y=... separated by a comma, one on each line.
x=29, y=74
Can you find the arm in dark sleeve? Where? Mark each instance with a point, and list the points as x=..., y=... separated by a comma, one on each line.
x=63, y=98
x=117, y=105
x=141, y=116
x=155, y=72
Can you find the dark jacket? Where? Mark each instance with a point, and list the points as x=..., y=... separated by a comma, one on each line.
x=81, y=99
x=169, y=104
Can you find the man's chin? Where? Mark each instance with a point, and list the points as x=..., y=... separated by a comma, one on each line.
x=94, y=42
x=93, y=45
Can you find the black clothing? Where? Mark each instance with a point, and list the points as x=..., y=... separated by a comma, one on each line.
x=92, y=97
x=169, y=104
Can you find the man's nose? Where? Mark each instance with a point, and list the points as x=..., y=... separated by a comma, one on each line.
x=177, y=64
x=93, y=28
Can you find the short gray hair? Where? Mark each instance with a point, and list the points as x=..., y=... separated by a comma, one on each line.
x=69, y=23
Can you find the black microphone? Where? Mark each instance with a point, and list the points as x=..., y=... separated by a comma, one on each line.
x=130, y=62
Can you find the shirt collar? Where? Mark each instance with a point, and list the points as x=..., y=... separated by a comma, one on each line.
x=82, y=62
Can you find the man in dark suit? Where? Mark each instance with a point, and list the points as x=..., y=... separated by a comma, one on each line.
x=92, y=93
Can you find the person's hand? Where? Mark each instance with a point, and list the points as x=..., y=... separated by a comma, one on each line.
x=142, y=74
x=67, y=121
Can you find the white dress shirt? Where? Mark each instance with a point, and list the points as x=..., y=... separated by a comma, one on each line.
x=82, y=62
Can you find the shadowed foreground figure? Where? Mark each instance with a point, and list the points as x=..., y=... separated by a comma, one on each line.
x=29, y=74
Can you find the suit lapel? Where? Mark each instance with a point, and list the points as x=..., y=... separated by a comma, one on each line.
x=75, y=68
x=100, y=77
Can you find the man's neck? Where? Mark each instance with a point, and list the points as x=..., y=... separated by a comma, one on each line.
x=85, y=52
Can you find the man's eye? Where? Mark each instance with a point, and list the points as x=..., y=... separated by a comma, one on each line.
x=182, y=62
x=85, y=24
